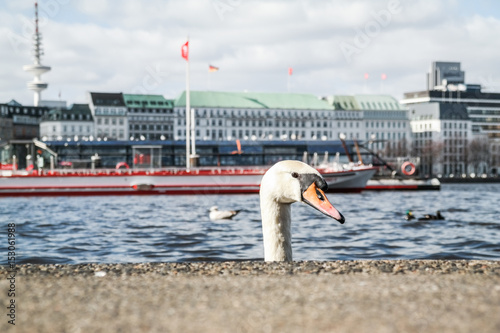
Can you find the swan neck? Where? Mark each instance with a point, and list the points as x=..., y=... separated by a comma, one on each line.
x=276, y=228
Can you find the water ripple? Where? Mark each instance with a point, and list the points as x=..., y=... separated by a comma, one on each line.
x=177, y=228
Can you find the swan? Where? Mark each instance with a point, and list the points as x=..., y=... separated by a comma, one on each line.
x=284, y=183
x=216, y=214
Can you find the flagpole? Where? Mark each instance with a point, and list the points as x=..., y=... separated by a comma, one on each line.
x=290, y=71
x=188, y=114
x=193, y=139
x=288, y=83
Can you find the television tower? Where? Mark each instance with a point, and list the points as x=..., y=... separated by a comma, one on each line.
x=37, y=69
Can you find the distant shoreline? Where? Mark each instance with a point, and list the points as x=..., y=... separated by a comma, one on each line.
x=469, y=180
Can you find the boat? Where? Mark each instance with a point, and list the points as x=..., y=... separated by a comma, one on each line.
x=352, y=179
x=218, y=180
x=400, y=175
x=48, y=172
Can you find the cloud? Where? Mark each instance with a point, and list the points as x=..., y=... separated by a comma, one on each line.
x=98, y=45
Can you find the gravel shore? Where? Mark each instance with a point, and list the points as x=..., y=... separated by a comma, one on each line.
x=254, y=296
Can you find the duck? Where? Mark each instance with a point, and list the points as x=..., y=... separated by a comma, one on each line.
x=409, y=215
x=428, y=217
x=285, y=183
x=216, y=214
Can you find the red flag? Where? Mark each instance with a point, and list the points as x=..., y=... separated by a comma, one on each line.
x=290, y=70
x=383, y=76
x=185, y=51
x=367, y=76
x=212, y=68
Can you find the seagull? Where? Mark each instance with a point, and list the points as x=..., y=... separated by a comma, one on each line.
x=284, y=183
x=216, y=214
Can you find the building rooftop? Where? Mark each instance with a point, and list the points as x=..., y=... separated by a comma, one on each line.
x=364, y=102
x=107, y=99
x=147, y=101
x=453, y=95
x=75, y=112
x=378, y=102
x=213, y=99
x=343, y=102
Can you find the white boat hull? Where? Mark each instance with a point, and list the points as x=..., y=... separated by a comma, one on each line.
x=348, y=181
x=397, y=184
x=167, y=181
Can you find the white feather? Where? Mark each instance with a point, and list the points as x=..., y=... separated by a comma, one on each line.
x=278, y=190
x=216, y=214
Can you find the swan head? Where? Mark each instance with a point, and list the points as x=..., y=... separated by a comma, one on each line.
x=287, y=182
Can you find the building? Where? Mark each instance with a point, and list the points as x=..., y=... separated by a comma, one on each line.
x=444, y=74
x=6, y=129
x=232, y=115
x=150, y=117
x=286, y=116
x=441, y=134
x=110, y=116
x=379, y=119
x=75, y=123
x=20, y=122
x=454, y=98
x=228, y=116
x=483, y=108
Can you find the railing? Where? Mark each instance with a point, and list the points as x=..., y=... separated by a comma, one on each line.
x=137, y=171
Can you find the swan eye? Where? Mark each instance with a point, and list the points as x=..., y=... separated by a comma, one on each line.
x=295, y=175
x=320, y=196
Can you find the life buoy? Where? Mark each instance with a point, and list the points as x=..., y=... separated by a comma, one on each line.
x=122, y=164
x=408, y=168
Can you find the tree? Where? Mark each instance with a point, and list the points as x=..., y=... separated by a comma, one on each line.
x=478, y=153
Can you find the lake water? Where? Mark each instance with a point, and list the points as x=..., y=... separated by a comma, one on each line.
x=177, y=228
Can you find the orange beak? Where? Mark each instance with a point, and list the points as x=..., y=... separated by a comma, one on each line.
x=317, y=199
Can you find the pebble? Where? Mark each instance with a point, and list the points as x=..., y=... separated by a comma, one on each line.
x=256, y=296
x=235, y=268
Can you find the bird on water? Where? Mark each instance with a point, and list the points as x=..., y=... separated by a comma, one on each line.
x=284, y=183
x=216, y=214
x=428, y=217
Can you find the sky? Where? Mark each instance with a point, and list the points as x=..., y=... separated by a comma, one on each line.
x=134, y=46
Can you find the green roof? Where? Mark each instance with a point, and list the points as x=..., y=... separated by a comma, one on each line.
x=378, y=102
x=343, y=102
x=364, y=102
x=147, y=101
x=213, y=99
x=80, y=109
